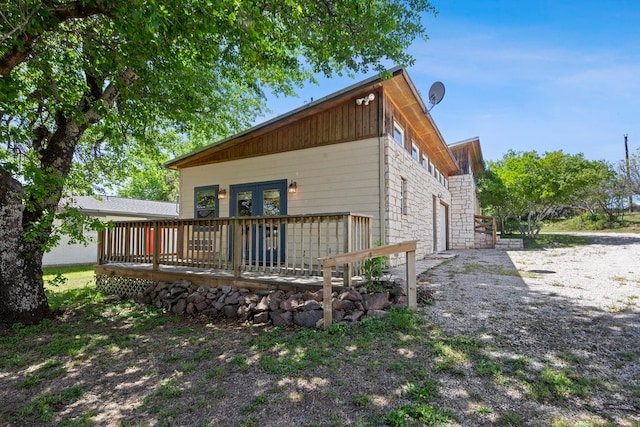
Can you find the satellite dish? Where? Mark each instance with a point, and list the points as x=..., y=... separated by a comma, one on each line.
x=436, y=93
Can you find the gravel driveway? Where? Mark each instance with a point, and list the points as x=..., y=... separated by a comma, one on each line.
x=566, y=308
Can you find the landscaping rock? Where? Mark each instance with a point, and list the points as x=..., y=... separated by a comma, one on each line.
x=230, y=311
x=179, y=307
x=262, y=317
x=351, y=295
x=308, y=319
x=355, y=316
x=310, y=305
x=282, y=319
x=376, y=301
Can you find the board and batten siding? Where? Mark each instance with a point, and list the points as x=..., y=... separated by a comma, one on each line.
x=332, y=178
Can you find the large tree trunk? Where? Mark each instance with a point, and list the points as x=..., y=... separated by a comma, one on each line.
x=22, y=297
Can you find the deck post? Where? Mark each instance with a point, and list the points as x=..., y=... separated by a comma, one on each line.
x=327, y=296
x=101, y=245
x=494, y=238
x=156, y=245
x=412, y=297
x=348, y=243
x=237, y=248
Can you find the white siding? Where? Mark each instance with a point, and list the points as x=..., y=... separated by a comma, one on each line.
x=333, y=178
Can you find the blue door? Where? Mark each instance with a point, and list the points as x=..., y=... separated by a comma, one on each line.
x=264, y=243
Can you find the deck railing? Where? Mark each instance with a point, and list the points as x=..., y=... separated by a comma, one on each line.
x=328, y=263
x=285, y=245
x=485, y=228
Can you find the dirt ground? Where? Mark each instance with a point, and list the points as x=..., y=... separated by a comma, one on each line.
x=564, y=307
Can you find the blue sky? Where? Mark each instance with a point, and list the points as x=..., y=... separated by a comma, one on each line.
x=527, y=75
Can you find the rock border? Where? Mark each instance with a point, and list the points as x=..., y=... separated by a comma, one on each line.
x=276, y=307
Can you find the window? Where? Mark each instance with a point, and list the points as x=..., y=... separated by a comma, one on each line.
x=398, y=134
x=431, y=168
x=414, y=151
x=206, y=202
x=403, y=197
x=423, y=161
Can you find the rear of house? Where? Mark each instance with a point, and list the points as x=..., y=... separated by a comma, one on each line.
x=371, y=149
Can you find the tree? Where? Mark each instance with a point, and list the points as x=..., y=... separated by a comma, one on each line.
x=632, y=175
x=531, y=188
x=84, y=84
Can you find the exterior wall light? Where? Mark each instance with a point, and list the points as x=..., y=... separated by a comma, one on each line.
x=440, y=196
x=293, y=187
x=222, y=194
x=366, y=99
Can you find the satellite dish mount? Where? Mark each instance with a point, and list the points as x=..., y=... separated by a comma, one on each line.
x=436, y=93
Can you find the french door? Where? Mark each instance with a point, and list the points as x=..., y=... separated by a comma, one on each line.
x=264, y=242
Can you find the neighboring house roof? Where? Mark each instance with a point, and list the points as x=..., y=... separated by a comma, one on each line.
x=398, y=87
x=472, y=146
x=110, y=205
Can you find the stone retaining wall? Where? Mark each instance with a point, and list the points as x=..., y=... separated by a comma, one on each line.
x=277, y=307
x=509, y=244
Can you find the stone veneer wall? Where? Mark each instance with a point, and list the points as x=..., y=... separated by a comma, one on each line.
x=464, y=206
x=422, y=188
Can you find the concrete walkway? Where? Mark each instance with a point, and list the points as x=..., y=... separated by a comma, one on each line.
x=399, y=273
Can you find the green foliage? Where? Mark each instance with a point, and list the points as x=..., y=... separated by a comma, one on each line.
x=424, y=415
x=44, y=406
x=373, y=269
x=529, y=187
x=426, y=391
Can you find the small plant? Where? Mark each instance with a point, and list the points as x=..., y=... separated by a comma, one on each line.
x=361, y=400
x=511, y=419
x=170, y=388
x=425, y=392
x=409, y=415
x=373, y=271
x=483, y=410
x=261, y=399
x=486, y=367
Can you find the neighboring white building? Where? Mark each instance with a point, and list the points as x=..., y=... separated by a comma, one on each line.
x=105, y=208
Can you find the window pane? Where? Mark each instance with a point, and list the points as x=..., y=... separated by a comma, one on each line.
x=398, y=135
x=244, y=203
x=271, y=202
x=206, y=203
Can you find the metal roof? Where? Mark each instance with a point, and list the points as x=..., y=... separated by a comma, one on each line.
x=111, y=205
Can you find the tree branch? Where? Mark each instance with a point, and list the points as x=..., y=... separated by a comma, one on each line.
x=23, y=44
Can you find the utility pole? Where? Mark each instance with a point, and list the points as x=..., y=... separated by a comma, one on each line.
x=626, y=154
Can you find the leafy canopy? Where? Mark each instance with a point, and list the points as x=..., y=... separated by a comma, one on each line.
x=531, y=187
x=88, y=86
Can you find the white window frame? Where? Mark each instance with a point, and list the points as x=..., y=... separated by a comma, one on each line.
x=424, y=161
x=415, y=152
x=398, y=130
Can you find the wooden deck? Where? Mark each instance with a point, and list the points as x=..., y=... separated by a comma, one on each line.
x=240, y=251
x=217, y=278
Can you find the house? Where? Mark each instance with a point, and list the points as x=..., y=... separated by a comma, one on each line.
x=372, y=149
x=105, y=208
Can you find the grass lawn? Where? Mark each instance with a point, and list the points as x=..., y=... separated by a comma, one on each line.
x=120, y=363
x=65, y=285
